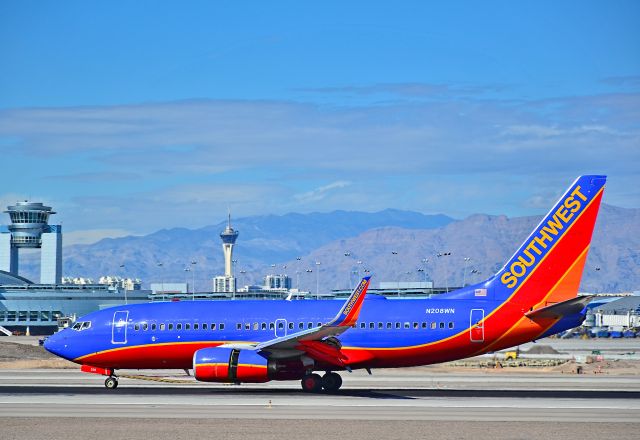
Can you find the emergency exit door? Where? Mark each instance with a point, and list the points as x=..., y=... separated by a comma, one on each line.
x=119, y=327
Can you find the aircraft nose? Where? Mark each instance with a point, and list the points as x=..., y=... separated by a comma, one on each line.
x=56, y=343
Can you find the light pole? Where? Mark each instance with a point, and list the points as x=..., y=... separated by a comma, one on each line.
x=464, y=274
x=317, y=280
x=242, y=272
x=186, y=278
x=309, y=271
x=349, y=270
x=193, y=276
x=425, y=261
x=160, y=265
x=124, y=284
x=234, y=263
x=446, y=270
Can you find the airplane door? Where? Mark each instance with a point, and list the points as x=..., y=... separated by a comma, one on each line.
x=281, y=328
x=476, y=325
x=119, y=327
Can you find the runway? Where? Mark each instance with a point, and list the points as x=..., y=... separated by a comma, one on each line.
x=392, y=402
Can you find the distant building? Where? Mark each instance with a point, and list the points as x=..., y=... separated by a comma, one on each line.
x=280, y=282
x=169, y=288
x=224, y=284
x=620, y=314
x=30, y=229
x=121, y=282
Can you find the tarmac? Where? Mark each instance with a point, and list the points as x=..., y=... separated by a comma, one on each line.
x=412, y=403
x=392, y=404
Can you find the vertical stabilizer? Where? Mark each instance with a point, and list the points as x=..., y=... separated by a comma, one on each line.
x=551, y=260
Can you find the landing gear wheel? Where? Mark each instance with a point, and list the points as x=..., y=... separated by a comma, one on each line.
x=312, y=383
x=111, y=383
x=331, y=382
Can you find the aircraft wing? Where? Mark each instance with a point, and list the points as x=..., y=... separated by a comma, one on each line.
x=310, y=340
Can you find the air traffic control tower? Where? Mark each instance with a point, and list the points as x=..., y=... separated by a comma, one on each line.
x=30, y=229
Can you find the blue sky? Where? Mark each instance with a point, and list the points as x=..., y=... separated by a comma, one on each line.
x=133, y=116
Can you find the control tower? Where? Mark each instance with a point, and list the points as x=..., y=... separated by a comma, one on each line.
x=227, y=283
x=30, y=228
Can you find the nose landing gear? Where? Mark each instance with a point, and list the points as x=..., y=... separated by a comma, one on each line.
x=111, y=382
x=313, y=383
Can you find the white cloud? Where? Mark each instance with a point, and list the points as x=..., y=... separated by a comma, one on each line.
x=184, y=163
x=321, y=192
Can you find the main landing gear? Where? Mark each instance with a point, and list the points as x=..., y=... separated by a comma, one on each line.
x=314, y=383
x=111, y=382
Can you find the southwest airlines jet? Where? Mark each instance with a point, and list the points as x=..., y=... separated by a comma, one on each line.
x=534, y=295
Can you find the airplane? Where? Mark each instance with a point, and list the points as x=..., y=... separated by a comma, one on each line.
x=532, y=296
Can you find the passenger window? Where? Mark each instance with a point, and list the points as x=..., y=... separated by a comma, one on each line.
x=221, y=326
x=145, y=326
x=187, y=326
x=213, y=326
x=271, y=326
x=442, y=325
x=238, y=326
x=407, y=325
x=433, y=325
x=204, y=326
x=380, y=325
x=389, y=325
x=424, y=325
x=135, y=327
x=178, y=326
x=153, y=326
x=256, y=326
x=451, y=324
x=372, y=325
x=170, y=326
x=263, y=326
x=291, y=326
x=162, y=327
x=310, y=325
x=415, y=325
x=247, y=326
x=301, y=325
x=397, y=325
x=196, y=326
x=363, y=325
x=319, y=324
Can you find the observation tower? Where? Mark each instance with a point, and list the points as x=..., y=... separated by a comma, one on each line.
x=227, y=283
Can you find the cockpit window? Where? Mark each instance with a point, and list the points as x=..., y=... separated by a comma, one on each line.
x=81, y=325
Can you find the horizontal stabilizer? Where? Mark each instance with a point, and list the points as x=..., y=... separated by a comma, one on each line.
x=559, y=310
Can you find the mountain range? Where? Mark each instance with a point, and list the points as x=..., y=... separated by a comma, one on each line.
x=393, y=245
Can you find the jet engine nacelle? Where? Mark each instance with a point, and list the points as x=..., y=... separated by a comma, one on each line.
x=233, y=365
